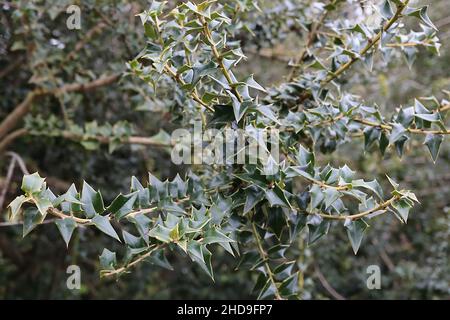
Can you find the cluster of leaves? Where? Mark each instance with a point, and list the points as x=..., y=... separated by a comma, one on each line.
x=258, y=217
x=332, y=122
x=164, y=214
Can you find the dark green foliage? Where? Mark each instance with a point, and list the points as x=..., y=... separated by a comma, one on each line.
x=191, y=66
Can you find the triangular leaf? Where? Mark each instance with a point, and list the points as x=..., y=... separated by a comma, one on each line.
x=66, y=227
x=104, y=225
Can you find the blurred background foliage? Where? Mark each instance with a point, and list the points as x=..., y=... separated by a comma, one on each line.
x=37, y=50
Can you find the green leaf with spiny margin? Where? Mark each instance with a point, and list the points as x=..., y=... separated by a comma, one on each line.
x=397, y=132
x=142, y=224
x=31, y=219
x=277, y=197
x=143, y=193
x=43, y=204
x=355, y=232
x=132, y=241
x=267, y=111
x=250, y=81
x=331, y=195
x=402, y=206
x=66, y=227
x=373, y=185
x=201, y=255
x=215, y=236
x=253, y=197
x=123, y=205
x=104, y=225
x=316, y=231
x=15, y=206
x=220, y=209
x=32, y=183
x=108, y=260
x=305, y=158
x=161, y=233
x=158, y=258
x=422, y=14
x=92, y=201
x=433, y=143
x=386, y=10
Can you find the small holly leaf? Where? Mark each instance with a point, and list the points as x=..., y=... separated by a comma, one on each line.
x=32, y=183
x=239, y=108
x=142, y=224
x=201, y=255
x=266, y=111
x=253, y=84
x=220, y=210
x=386, y=10
x=394, y=184
x=104, y=225
x=433, y=143
x=402, y=206
x=397, y=132
x=143, y=193
x=383, y=142
x=132, y=241
x=43, y=204
x=159, y=258
x=92, y=201
x=123, y=205
x=373, y=186
x=15, y=206
x=66, y=227
x=174, y=234
x=215, y=236
x=108, y=260
x=268, y=291
x=331, y=195
x=355, y=232
x=316, y=231
x=31, y=219
x=317, y=196
x=253, y=196
x=161, y=233
x=422, y=14
x=277, y=197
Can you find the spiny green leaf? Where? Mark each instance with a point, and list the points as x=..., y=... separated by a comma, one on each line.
x=402, y=206
x=215, y=236
x=422, y=14
x=397, y=132
x=123, y=205
x=355, y=232
x=108, y=260
x=92, y=201
x=132, y=241
x=66, y=227
x=15, y=206
x=433, y=143
x=32, y=183
x=316, y=231
x=159, y=258
x=31, y=219
x=161, y=233
x=43, y=204
x=104, y=225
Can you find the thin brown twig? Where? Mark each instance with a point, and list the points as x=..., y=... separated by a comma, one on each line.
x=9, y=138
x=326, y=284
x=109, y=273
